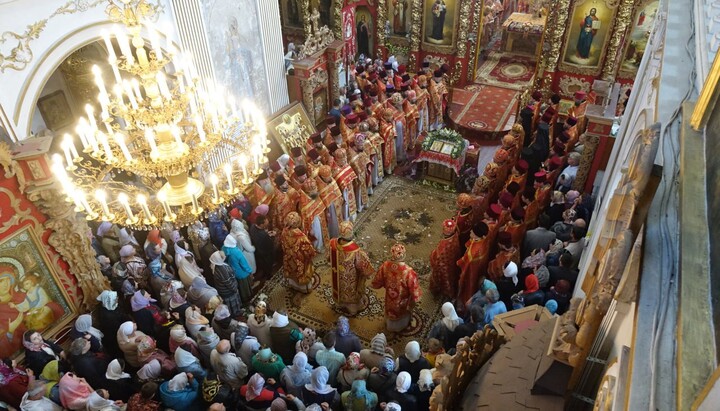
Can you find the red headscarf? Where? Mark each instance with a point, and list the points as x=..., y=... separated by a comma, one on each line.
x=531, y=284
x=154, y=237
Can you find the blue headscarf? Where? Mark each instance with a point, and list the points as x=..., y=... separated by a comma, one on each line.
x=552, y=306
x=359, y=390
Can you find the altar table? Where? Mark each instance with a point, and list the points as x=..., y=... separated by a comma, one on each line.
x=523, y=25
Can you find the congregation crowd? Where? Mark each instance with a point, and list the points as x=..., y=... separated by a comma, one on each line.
x=179, y=328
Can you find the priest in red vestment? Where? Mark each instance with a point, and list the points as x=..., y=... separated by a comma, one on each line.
x=298, y=253
x=506, y=252
x=351, y=267
x=473, y=263
x=402, y=290
x=443, y=261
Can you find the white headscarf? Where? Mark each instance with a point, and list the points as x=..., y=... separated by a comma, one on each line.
x=150, y=371
x=84, y=325
x=450, y=319
x=97, y=403
x=279, y=320
x=230, y=242
x=115, y=372
x=511, y=271
x=403, y=381
x=109, y=299
x=254, y=387
x=178, y=382
x=318, y=381
x=425, y=380
x=412, y=351
x=237, y=227
x=217, y=259
x=184, y=358
x=126, y=329
x=392, y=406
x=103, y=228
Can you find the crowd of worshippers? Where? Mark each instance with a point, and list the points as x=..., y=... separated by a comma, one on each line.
x=187, y=361
x=519, y=232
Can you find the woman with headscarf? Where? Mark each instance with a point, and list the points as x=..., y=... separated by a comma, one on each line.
x=110, y=317
x=382, y=379
x=150, y=372
x=309, y=344
x=148, y=351
x=244, y=345
x=346, y=341
x=194, y=320
x=128, y=338
x=225, y=283
x=178, y=303
x=269, y=364
x=223, y=324
x=532, y=293
x=202, y=295
x=401, y=393
x=74, y=392
x=284, y=334
x=83, y=329
x=244, y=244
x=108, y=234
x=359, y=398
x=494, y=306
x=422, y=390
x=118, y=383
x=207, y=341
x=509, y=284
x=239, y=264
x=154, y=237
x=375, y=355
x=180, y=393
x=187, y=267
x=179, y=339
x=127, y=237
x=260, y=323
x=413, y=361
x=100, y=400
x=318, y=390
x=39, y=352
x=351, y=371
x=159, y=275
x=257, y=395
x=186, y=362
x=444, y=328
x=561, y=294
x=295, y=376
x=145, y=313
x=13, y=383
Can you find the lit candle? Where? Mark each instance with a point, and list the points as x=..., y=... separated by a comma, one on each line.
x=120, y=140
x=256, y=156
x=80, y=195
x=113, y=63
x=59, y=170
x=91, y=116
x=71, y=145
x=104, y=102
x=118, y=91
x=136, y=87
x=80, y=130
x=150, y=136
x=124, y=44
x=90, y=134
x=78, y=204
x=196, y=207
x=168, y=30
x=66, y=149
x=140, y=52
x=101, y=197
x=106, y=146
x=129, y=92
x=214, y=183
x=228, y=174
x=242, y=160
x=200, y=129
x=193, y=104
x=155, y=41
x=215, y=121
x=108, y=44
x=175, y=131
x=123, y=199
x=162, y=198
x=162, y=85
x=142, y=201
x=99, y=80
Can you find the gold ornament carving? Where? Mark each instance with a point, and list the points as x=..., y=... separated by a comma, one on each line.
x=462, y=31
x=622, y=21
x=569, y=85
x=456, y=73
x=590, y=144
x=70, y=239
x=475, y=29
x=315, y=42
x=435, y=61
x=318, y=78
x=380, y=27
x=19, y=54
x=305, y=17
x=416, y=25
x=18, y=215
x=132, y=12
x=336, y=16
x=333, y=72
x=554, y=30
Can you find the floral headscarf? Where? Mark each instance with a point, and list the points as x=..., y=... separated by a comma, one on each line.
x=343, y=326
x=254, y=387
x=353, y=362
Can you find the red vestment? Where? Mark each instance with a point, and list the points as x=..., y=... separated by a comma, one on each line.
x=402, y=289
x=298, y=253
x=497, y=265
x=445, y=271
x=351, y=266
x=472, y=264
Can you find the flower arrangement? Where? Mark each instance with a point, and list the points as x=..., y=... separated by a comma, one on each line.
x=447, y=136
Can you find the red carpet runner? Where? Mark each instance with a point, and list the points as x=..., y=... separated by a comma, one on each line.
x=482, y=113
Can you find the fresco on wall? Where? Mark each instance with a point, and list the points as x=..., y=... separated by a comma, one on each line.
x=638, y=38
x=590, y=26
x=236, y=49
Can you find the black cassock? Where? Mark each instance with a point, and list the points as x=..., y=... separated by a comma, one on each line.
x=363, y=39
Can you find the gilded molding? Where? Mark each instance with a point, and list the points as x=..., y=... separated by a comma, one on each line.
x=475, y=28
x=462, y=30
x=336, y=13
x=591, y=142
x=308, y=86
x=305, y=17
x=553, y=39
x=622, y=21
x=20, y=53
x=380, y=28
x=417, y=23
x=594, y=71
x=569, y=85
x=333, y=72
x=456, y=73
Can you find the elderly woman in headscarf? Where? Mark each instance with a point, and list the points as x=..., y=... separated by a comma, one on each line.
x=359, y=398
x=178, y=303
x=422, y=389
x=110, y=317
x=74, y=392
x=351, y=371
x=128, y=338
x=154, y=237
x=159, y=275
x=382, y=379
x=244, y=244
x=225, y=283
x=83, y=329
x=244, y=344
x=118, y=383
x=295, y=376
x=268, y=363
x=223, y=324
x=187, y=267
x=108, y=233
x=239, y=264
x=180, y=393
x=412, y=361
x=444, y=328
x=260, y=323
x=284, y=334
x=202, y=295
x=129, y=266
x=150, y=372
x=194, y=320
x=186, y=362
x=310, y=344
x=100, y=400
x=257, y=395
x=346, y=341
x=148, y=351
x=207, y=341
x=179, y=339
x=127, y=237
x=145, y=313
x=39, y=352
x=318, y=390
x=375, y=355
x=401, y=394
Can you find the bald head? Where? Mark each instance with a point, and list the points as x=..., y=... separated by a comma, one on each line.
x=223, y=347
x=580, y=223
x=216, y=407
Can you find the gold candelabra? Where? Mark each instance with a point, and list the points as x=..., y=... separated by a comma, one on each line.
x=160, y=137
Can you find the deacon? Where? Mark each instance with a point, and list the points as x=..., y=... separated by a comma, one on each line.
x=388, y=133
x=351, y=267
x=298, y=253
x=362, y=166
x=284, y=202
x=332, y=198
x=474, y=262
x=438, y=97
x=443, y=261
x=345, y=176
x=402, y=290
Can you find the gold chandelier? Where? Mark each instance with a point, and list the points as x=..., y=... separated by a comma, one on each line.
x=160, y=138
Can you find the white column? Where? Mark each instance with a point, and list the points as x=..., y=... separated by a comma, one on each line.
x=273, y=53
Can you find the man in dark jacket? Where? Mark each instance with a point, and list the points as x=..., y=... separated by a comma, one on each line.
x=264, y=247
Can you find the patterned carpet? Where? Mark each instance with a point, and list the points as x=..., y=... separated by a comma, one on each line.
x=400, y=210
x=483, y=113
x=507, y=70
